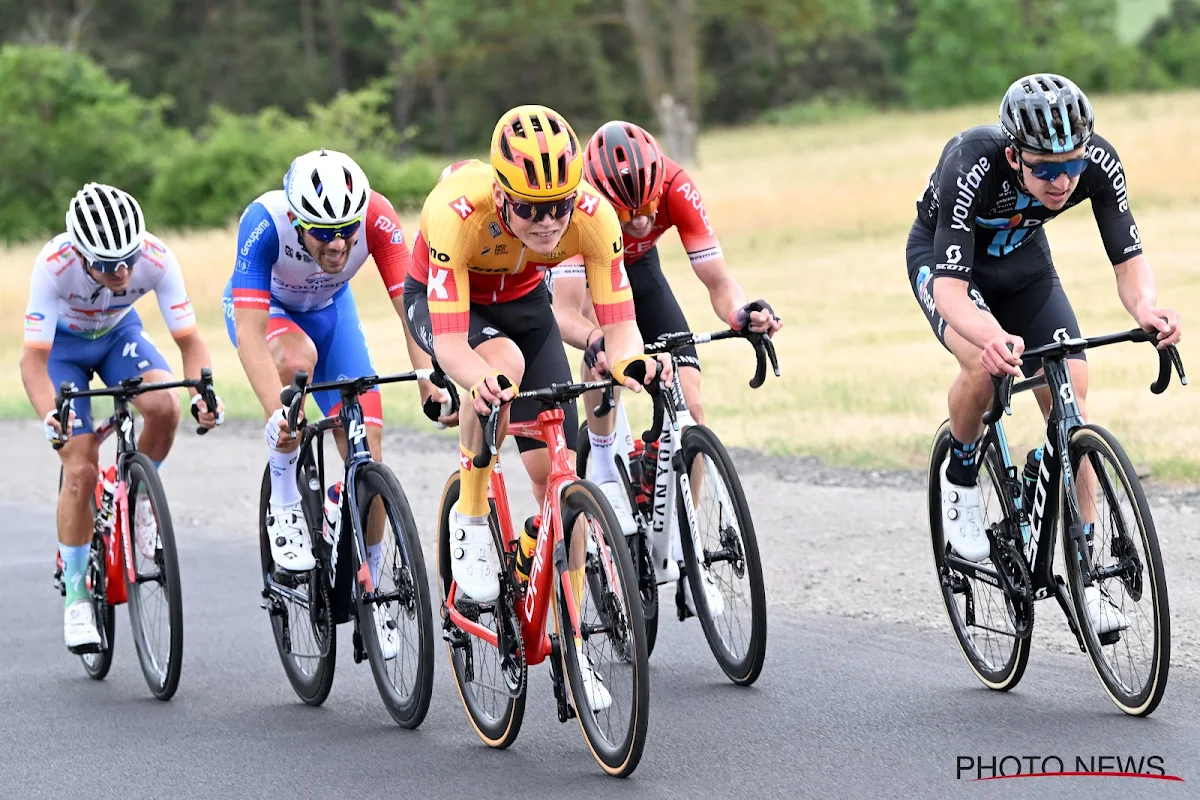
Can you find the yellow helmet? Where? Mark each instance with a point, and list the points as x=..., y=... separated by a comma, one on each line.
x=535, y=155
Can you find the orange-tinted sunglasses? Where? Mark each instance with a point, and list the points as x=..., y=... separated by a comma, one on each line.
x=645, y=211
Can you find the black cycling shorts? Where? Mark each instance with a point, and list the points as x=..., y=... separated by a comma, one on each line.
x=657, y=310
x=1032, y=308
x=529, y=322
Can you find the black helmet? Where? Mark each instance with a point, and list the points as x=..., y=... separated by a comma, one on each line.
x=1045, y=113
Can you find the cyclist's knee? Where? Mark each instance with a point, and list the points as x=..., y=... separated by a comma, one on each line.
x=503, y=355
x=293, y=356
x=161, y=409
x=689, y=377
x=79, y=473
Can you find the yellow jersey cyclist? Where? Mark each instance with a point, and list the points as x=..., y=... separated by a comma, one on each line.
x=476, y=300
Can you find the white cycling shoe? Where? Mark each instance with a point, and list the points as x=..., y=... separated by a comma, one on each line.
x=145, y=528
x=288, y=534
x=598, y=697
x=389, y=637
x=618, y=498
x=1103, y=612
x=79, y=626
x=712, y=595
x=474, y=564
x=962, y=521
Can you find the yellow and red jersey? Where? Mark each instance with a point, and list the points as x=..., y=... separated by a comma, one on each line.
x=465, y=253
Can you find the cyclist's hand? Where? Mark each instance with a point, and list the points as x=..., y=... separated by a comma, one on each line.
x=277, y=432
x=487, y=393
x=1164, y=320
x=999, y=360
x=622, y=367
x=54, y=428
x=435, y=402
x=759, y=316
x=204, y=416
x=594, y=355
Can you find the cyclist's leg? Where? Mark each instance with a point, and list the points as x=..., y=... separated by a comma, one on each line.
x=658, y=312
x=131, y=352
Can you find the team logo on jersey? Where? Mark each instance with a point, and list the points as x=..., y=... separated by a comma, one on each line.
x=462, y=206
x=486, y=250
x=501, y=249
x=588, y=203
x=397, y=236
x=494, y=229
x=620, y=278
x=441, y=286
x=384, y=224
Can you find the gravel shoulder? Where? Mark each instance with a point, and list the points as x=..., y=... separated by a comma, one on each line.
x=840, y=542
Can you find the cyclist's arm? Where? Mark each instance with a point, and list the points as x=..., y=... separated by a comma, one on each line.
x=41, y=320
x=960, y=312
x=687, y=211
x=572, y=309
x=725, y=293
x=1136, y=285
x=177, y=311
x=258, y=250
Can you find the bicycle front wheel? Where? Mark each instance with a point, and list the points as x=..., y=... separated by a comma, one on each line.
x=396, y=623
x=1122, y=606
x=601, y=630
x=734, y=617
x=155, y=598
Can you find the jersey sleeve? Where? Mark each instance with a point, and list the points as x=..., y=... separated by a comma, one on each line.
x=686, y=210
x=604, y=262
x=1110, y=203
x=385, y=243
x=445, y=234
x=41, y=315
x=960, y=184
x=173, y=300
x=257, y=252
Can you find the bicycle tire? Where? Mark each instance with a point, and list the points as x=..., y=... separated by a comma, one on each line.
x=619, y=758
x=639, y=553
x=495, y=730
x=1142, y=701
x=312, y=689
x=410, y=579
x=163, y=680
x=1011, y=667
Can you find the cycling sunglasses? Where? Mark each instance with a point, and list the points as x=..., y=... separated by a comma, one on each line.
x=327, y=233
x=109, y=265
x=535, y=211
x=647, y=210
x=1049, y=170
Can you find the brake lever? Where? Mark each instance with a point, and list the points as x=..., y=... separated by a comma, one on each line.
x=62, y=403
x=292, y=397
x=207, y=395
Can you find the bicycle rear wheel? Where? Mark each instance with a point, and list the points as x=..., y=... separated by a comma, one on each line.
x=400, y=602
x=737, y=635
x=603, y=638
x=491, y=683
x=983, y=617
x=301, y=618
x=638, y=543
x=155, y=598
x=1132, y=663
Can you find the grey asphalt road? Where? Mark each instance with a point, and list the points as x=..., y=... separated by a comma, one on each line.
x=844, y=708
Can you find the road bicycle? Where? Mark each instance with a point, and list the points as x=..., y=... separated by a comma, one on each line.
x=692, y=509
x=119, y=571
x=580, y=567
x=389, y=602
x=1083, y=482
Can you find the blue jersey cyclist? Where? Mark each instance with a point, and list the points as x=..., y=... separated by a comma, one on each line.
x=81, y=322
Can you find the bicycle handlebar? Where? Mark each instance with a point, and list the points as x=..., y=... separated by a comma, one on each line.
x=205, y=389
x=764, y=348
x=292, y=396
x=126, y=390
x=1003, y=388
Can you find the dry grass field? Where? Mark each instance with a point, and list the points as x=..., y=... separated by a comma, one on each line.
x=815, y=220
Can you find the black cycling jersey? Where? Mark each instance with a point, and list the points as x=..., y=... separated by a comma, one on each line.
x=973, y=190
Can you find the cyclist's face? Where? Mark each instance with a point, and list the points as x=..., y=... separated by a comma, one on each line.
x=331, y=257
x=639, y=226
x=113, y=281
x=541, y=236
x=1054, y=193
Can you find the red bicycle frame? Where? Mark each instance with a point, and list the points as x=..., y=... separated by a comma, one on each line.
x=534, y=602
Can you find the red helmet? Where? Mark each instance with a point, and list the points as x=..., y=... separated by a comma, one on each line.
x=625, y=164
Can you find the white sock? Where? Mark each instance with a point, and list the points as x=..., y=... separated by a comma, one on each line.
x=283, y=478
x=375, y=562
x=604, y=468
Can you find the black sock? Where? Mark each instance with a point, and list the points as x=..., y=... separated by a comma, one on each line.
x=963, y=469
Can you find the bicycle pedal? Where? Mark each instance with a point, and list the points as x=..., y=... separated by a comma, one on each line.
x=681, y=608
x=85, y=649
x=360, y=653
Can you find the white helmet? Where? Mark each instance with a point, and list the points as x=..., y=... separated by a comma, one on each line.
x=105, y=223
x=325, y=187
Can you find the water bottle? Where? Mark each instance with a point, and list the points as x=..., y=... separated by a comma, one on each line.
x=526, y=547
x=1029, y=478
x=333, y=513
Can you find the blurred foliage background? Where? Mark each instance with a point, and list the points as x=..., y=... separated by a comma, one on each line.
x=196, y=106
